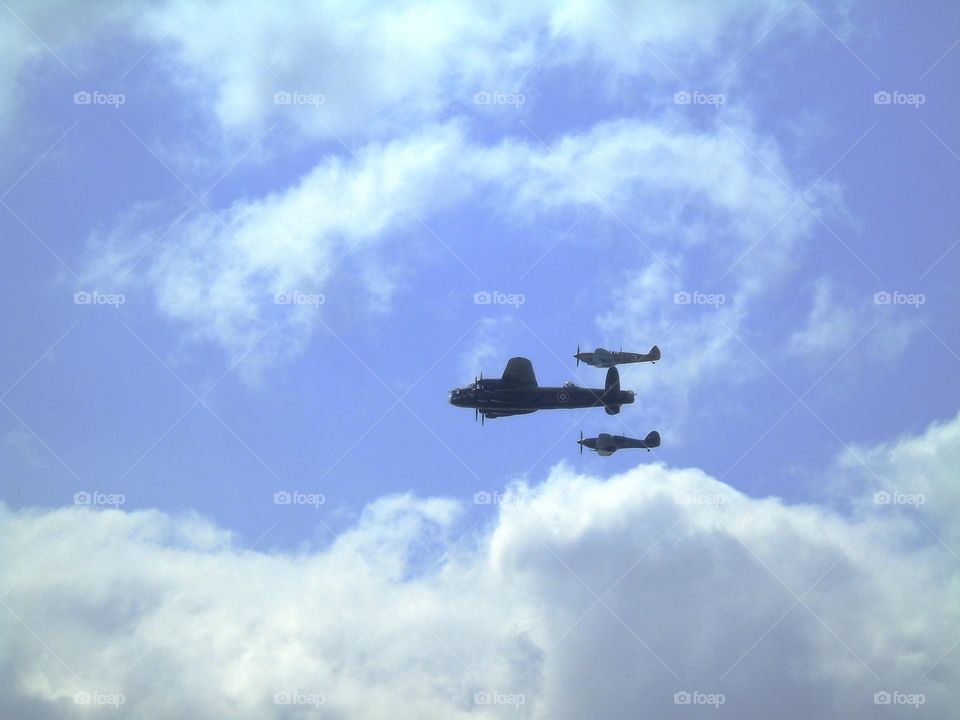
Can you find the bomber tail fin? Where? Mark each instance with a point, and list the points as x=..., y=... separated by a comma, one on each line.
x=611, y=391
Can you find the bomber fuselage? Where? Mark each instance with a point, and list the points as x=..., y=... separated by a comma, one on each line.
x=496, y=398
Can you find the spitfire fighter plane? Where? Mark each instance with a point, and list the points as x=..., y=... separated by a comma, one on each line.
x=518, y=393
x=605, y=444
x=603, y=358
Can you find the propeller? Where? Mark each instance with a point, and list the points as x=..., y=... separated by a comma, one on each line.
x=476, y=386
x=577, y=356
x=581, y=442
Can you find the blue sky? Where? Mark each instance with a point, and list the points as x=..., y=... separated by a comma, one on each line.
x=394, y=195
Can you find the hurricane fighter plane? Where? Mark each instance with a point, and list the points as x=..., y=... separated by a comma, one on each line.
x=518, y=393
x=603, y=358
x=605, y=444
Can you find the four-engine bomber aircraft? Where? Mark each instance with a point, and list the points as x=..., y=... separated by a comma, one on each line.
x=603, y=358
x=517, y=393
x=605, y=444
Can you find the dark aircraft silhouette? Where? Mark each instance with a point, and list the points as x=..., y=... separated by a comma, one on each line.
x=517, y=393
x=605, y=444
x=603, y=358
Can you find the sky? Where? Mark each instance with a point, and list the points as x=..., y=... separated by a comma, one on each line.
x=248, y=250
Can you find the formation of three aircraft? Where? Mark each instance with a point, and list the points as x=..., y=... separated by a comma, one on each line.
x=517, y=392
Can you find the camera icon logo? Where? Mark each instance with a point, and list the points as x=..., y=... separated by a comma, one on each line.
x=482, y=498
x=482, y=297
x=682, y=698
x=282, y=498
x=82, y=98
x=882, y=98
x=82, y=498
x=882, y=297
x=682, y=298
x=482, y=98
x=682, y=98
x=882, y=497
x=281, y=98
x=882, y=698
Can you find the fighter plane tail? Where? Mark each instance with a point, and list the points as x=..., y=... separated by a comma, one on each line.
x=654, y=353
x=652, y=440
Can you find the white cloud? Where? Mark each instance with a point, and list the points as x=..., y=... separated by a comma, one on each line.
x=384, y=70
x=839, y=320
x=39, y=40
x=220, y=274
x=487, y=346
x=219, y=277
x=917, y=475
x=698, y=589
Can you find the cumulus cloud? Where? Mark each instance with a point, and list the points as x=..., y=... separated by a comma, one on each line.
x=582, y=596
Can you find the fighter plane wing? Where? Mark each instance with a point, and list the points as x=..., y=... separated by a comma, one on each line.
x=519, y=372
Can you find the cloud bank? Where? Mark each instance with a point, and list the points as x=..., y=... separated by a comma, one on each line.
x=581, y=596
